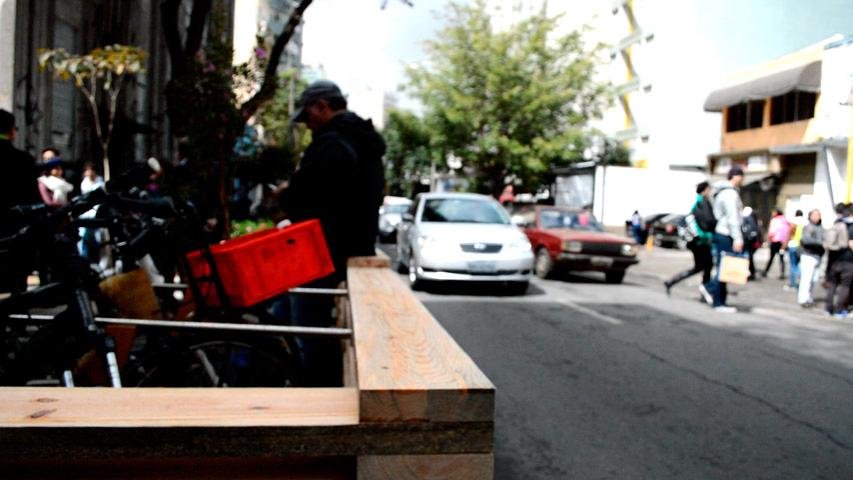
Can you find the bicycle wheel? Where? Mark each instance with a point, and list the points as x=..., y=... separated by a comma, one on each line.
x=214, y=363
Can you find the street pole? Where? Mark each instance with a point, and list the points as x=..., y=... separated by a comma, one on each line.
x=849, y=156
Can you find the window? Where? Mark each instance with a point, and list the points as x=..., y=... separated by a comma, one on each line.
x=745, y=116
x=580, y=220
x=792, y=107
x=463, y=210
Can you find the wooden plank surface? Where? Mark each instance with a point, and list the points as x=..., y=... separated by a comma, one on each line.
x=409, y=367
x=163, y=407
x=426, y=467
x=379, y=261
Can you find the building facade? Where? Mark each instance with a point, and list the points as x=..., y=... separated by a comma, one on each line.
x=51, y=112
x=787, y=123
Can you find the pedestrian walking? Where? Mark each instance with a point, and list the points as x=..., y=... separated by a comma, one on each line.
x=339, y=181
x=778, y=234
x=17, y=187
x=728, y=234
x=794, y=249
x=637, y=227
x=841, y=275
x=701, y=213
x=835, y=239
x=751, y=238
x=811, y=252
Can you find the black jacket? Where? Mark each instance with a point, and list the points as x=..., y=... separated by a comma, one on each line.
x=340, y=181
x=18, y=184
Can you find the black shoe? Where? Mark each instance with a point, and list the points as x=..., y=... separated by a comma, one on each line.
x=667, y=286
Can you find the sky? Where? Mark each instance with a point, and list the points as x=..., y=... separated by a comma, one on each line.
x=364, y=48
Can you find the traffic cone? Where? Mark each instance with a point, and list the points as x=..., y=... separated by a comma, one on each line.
x=650, y=243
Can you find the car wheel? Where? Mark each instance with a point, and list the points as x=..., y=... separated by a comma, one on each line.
x=544, y=265
x=615, y=277
x=414, y=281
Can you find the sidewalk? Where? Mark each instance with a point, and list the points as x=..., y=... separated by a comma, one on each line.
x=763, y=296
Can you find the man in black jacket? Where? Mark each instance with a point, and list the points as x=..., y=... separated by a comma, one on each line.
x=339, y=181
x=17, y=187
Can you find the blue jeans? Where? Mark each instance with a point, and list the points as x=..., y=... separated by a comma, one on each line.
x=319, y=357
x=794, y=259
x=717, y=289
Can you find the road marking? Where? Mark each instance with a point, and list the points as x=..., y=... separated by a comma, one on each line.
x=592, y=313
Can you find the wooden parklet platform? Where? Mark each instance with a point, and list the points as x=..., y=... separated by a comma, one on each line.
x=413, y=406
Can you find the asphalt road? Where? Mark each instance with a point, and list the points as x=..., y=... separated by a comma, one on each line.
x=619, y=381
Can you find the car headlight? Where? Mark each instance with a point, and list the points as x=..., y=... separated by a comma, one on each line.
x=520, y=244
x=425, y=242
x=629, y=250
x=573, y=246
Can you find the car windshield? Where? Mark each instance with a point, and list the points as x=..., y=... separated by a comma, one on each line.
x=568, y=219
x=396, y=208
x=463, y=210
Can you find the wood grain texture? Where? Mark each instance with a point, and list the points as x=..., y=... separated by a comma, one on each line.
x=163, y=407
x=383, y=261
x=426, y=467
x=409, y=367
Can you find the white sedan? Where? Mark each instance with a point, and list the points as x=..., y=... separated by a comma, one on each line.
x=462, y=236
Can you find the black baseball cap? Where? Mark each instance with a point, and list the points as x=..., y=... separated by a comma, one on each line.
x=319, y=90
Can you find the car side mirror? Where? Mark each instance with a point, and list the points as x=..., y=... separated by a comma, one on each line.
x=408, y=217
x=519, y=221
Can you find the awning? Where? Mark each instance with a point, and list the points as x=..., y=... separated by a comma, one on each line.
x=805, y=78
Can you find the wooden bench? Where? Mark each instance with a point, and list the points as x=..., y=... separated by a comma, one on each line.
x=413, y=405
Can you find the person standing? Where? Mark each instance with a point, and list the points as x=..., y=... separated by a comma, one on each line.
x=728, y=233
x=637, y=227
x=811, y=251
x=53, y=187
x=778, y=234
x=339, y=181
x=700, y=244
x=841, y=275
x=835, y=239
x=17, y=187
x=794, y=249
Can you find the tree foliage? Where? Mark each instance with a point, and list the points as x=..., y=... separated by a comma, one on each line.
x=409, y=155
x=99, y=75
x=508, y=103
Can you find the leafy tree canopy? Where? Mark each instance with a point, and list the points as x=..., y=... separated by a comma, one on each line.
x=508, y=103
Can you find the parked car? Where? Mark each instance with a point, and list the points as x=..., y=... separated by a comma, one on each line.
x=566, y=238
x=664, y=231
x=390, y=215
x=462, y=236
x=645, y=228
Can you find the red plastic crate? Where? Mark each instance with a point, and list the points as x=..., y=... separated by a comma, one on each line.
x=264, y=264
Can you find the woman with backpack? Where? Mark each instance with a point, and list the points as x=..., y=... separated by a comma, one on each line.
x=811, y=251
x=699, y=226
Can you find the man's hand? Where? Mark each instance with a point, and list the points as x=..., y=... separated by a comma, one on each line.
x=738, y=247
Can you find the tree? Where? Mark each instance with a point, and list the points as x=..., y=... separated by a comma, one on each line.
x=409, y=155
x=508, y=103
x=201, y=103
x=99, y=75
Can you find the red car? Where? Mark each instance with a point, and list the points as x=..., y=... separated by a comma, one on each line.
x=572, y=239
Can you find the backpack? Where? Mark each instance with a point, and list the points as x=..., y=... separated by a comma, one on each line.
x=687, y=228
x=835, y=238
x=703, y=212
x=751, y=233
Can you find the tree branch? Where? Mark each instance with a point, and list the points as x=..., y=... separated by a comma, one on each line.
x=195, y=32
x=169, y=21
x=270, y=82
